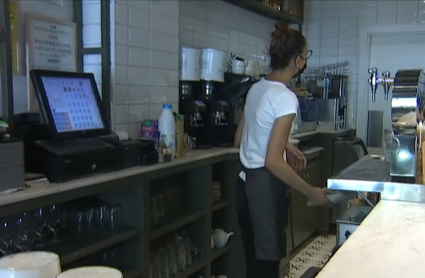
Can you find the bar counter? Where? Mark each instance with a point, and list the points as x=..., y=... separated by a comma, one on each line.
x=390, y=242
x=53, y=188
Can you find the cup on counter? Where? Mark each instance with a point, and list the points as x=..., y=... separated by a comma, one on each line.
x=238, y=66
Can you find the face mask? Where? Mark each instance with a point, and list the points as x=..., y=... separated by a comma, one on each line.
x=300, y=71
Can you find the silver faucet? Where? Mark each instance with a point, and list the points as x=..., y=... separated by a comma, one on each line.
x=373, y=82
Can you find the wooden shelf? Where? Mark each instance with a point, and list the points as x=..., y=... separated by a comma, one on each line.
x=134, y=273
x=175, y=222
x=217, y=253
x=265, y=10
x=192, y=269
x=219, y=205
x=78, y=246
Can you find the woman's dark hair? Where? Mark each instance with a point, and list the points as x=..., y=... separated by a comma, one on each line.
x=286, y=44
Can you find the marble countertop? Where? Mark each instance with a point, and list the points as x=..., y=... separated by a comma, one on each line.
x=318, y=131
x=390, y=242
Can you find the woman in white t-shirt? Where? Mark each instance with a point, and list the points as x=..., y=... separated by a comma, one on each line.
x=269, y=113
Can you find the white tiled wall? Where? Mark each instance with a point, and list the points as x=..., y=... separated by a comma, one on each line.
x=332, y=29
x=144, y=60
x=220, y=25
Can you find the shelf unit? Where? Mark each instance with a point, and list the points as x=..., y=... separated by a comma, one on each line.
x=190, y=183
x=257, y=6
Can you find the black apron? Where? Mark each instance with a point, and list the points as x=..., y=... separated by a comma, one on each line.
x=268, y=206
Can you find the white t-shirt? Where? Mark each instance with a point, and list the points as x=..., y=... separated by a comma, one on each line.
x=266, y=101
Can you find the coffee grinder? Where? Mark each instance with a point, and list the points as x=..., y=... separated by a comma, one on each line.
x=408, y=96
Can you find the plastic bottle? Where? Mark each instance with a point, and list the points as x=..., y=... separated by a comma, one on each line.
x=167, y=128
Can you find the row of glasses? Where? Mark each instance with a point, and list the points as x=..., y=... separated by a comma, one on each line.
x=175, y=257
x=86, y=220
x=34, y=229
x=157, y=206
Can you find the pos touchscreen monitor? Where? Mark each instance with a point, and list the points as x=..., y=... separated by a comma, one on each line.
x=69, y=103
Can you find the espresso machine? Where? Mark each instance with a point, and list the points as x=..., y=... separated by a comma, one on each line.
x=408, y=96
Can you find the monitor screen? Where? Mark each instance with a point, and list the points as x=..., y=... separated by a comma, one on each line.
x=72, y=103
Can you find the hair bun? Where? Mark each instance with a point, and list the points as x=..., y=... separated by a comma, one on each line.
x=281, y=31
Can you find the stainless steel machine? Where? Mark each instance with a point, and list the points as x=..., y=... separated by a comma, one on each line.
x=407, y=103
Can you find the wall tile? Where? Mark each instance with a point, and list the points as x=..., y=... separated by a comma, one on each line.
x=121, y=94
x=173, y=61
x=138, y=112
x=121, y=55
x=121, y=114
x=138, y=37
x=159, y=77
x=139, y=57
x=158, y=94
x=159, y=23
x=173, y=44
x=121, y=34
x=121, y=75
x=159, y=41
x=173, y=94
x=139, y=19
x=159, y=59
x=138, y=94
x=138, y=76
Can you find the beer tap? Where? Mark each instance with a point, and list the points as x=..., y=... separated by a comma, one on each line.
x=373, y=82
x=387, y=82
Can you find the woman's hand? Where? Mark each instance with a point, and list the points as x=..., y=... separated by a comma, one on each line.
x=295, y=157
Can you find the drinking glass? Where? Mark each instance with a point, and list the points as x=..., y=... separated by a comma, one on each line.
x=24, y=235
x=41, y=228
x=388, y=139
x=7, y=245
x=181, y=253
x=101, y=216
x=188, y=253
x=172, y=266
x=80, y=221
x=156, y=270
x=163, y=260
x=114, y=217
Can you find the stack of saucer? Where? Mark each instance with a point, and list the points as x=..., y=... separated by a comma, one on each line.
x=215, y=191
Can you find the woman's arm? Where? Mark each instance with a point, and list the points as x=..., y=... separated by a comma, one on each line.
x=275, y=163
x=238, y=134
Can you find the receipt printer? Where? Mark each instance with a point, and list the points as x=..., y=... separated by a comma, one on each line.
x=12, y=170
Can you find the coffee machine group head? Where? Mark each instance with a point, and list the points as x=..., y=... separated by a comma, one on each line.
x=408, y=96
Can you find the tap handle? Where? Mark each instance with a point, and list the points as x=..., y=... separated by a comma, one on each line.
x=372, y=70
x=386, y=74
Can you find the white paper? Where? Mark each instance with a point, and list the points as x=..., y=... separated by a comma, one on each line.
x=53, y=46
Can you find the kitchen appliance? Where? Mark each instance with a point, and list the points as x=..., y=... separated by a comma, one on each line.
x=309, y=114
x=346, y=151
x=332, y=106
x=349, y=222
x=189, y=64
x=233, y=91
x=408, y=96
x=213, y=65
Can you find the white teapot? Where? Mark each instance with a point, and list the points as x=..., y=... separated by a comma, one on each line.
x=220, y=237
